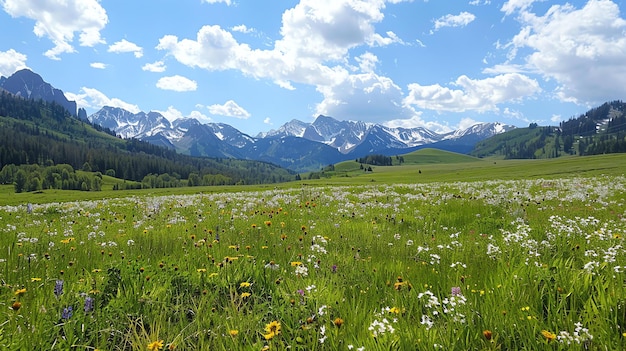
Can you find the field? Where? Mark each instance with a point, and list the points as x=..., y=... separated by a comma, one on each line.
x=483, y=255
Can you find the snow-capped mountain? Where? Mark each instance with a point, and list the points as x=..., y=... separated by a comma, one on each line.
x=296, y=144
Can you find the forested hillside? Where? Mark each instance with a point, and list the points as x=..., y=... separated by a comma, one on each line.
x=600, y=130
x=45, y=134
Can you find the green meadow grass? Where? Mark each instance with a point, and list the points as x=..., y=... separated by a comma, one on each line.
x=482, y=255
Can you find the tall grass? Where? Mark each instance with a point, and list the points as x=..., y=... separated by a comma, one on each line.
x=489, y=265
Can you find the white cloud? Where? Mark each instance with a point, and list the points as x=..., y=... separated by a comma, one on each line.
x=98, y=65
x=95, y=99
x=460, y=20
x=512, y=6
x=478, y=95
x=229, y=109
x=367, y=62
x=158, y=67
x=126, y=46
x=583, y=50
x=227, y=2
x=177, y=83
x=268, y=120
x=242, y=28
x=11, y=61
x=58, y=20
x=465, y=123
x=365, y=97
x=556, y=118
x=200, y=116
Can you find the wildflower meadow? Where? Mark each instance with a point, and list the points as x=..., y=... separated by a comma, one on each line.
x=491, y=265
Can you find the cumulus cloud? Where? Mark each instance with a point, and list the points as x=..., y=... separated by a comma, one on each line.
x=583, y=50
x=177, y=83
x=365, y=97
x=157, y=67
x=11, y=61
x=229, y=109
x=126, y=46
x=90, y=98
x=477, y=95
x=98, y=65
x=417, y=121
x=460, y=20
x=58, y=20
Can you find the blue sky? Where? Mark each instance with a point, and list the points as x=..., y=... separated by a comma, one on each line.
x=256, y=64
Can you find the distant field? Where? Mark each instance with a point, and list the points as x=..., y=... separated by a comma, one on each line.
x=423, y=166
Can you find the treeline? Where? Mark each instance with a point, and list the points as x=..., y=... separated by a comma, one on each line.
x=28, y=178
x=42, y=133
x=376, y=160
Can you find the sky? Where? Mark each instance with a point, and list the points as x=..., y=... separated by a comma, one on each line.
x=256, y=65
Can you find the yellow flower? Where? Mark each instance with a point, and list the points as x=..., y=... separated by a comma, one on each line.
x=233, y=332
x=296, y=263
x=395, y=310
x=33, y=280
x=338, y=322
x=155, y=345
x=244, y=295
x=272, y=329
x=201, y=270
x=244, y=285
x=20, y=292
x=548, y=335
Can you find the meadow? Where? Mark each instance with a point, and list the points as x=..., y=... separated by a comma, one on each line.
x=533, y=260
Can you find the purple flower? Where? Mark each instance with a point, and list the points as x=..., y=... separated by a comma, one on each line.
x=334, y=268
x=58, y=288
x=301, y=292
x=67, y=313
x=456, y=291
x=88, y=304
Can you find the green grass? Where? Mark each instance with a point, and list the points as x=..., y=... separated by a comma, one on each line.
x=453, y=264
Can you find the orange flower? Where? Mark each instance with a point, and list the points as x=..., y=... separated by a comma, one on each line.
x=487, y=334
x=338, y=322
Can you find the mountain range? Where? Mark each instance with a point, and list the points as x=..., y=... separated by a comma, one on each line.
x=296, y=145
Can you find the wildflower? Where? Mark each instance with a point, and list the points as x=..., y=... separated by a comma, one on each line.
x=334, y=268
x=456, y=291
x=34, y=280
x=155, y=345
x=487, y=334
x=244, y=295
x=338, y=322
x=16, y=305
x=88, y=307
x=296, y=263
x=244, y=285
x=272, y=329
x=58, y=288
x=394, y=310
x=201, y=270
x=548, y=335
x=20, y=292
x=233, y=332
x=67, y=313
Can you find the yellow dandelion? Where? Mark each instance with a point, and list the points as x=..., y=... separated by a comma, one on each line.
x=33, y=280
x=233, y=332
x=245, y=295
x=395, y=310
x=272, y=329
x=155, y=345
x=201, y=270
x=244, y=285
x=20, y=292
x=296, y=263
x=548, y=335
x=338, y=322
